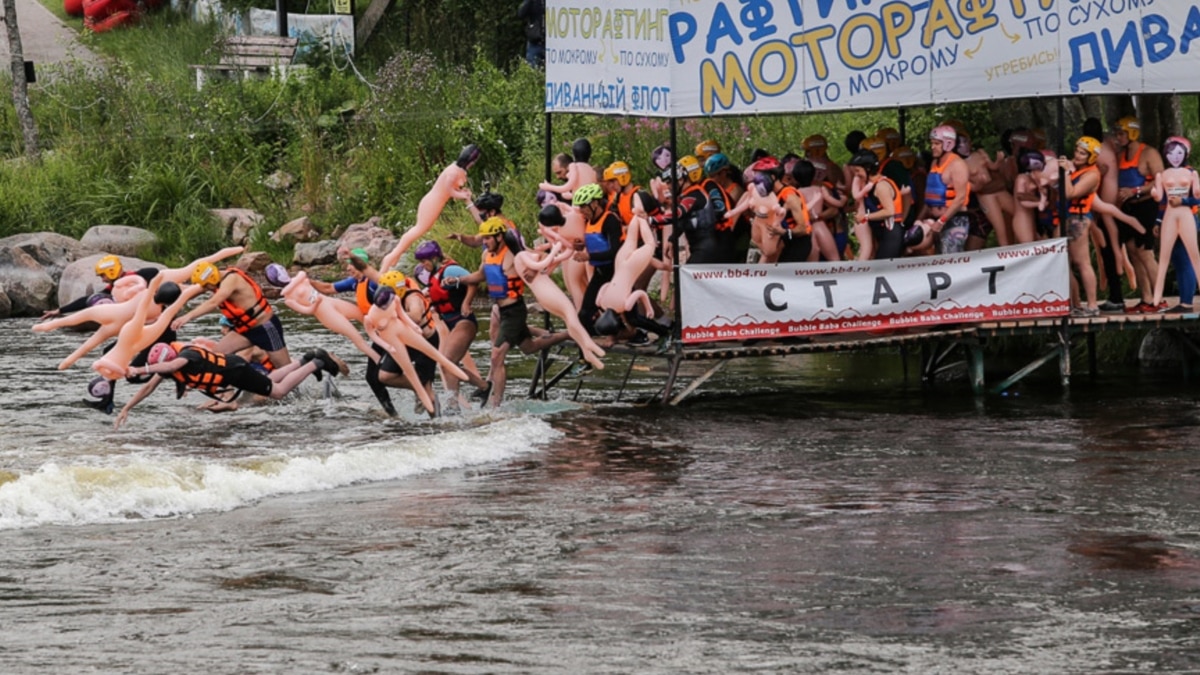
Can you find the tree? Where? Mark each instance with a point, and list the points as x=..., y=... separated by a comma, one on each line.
x=20, y=91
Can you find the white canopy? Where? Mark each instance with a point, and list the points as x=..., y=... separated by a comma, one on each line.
x=693, y=58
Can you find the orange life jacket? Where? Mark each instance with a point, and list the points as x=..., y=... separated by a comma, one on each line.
x=1083, y=205
x=208, y=382
x=788, y=221
x=245, y=319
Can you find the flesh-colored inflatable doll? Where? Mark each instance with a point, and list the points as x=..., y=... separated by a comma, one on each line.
x=450, y=184
x=334, y=313
x=390, y=327
x=113, y=316
x=137, y=334
x=535, y=269
x=1175, y=183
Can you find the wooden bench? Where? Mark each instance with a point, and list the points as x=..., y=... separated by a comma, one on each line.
x=250, y=56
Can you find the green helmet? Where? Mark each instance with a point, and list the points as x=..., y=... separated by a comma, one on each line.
x=587, y=194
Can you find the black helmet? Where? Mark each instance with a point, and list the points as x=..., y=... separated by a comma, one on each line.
x=489, y=201
x=866, y=159
x=167, y=293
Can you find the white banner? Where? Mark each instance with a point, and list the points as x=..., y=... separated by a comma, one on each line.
x=689, y=58
x=741, y=302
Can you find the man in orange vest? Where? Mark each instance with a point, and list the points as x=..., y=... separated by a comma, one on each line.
x=241, y=301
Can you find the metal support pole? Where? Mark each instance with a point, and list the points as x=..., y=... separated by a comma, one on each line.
x=281, y=17
x=902, y=121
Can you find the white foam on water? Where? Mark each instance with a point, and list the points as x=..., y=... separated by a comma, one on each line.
x=148, y=484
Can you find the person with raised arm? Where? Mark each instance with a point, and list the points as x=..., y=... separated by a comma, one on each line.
x=239, y=299
x=505, y=287
x=1082, y=184
x=574, y=170
x=456, y=330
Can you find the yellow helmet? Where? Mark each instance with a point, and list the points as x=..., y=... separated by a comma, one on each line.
x=1131, y=126
x=492, y=227
x=1091, y=145
x=876, y=145
x=206, y=274
x=890, y=136
x=690, y=167
x=109, y=267
x=905, y=156
x=706, y=149
x=814, y=142
x=393, y=279
x=618, y=171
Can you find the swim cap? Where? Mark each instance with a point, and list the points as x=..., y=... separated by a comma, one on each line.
x=551, y=216
x=690, y=167
x=618, y=171
x=946, y=135
x=1091, y=145
x=1131, y=126
x=361, y=254
x=587, y=194
x=167, y=293
x=717, y=162
x=206, y=274
x=109, y=267
x=428, y=251
x=161, y=352
x=706, y=149
x=495, y=226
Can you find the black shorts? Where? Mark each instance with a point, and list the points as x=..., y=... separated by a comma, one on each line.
x=425, y=366
x=1146, y=213
x=267, y=336
x=514, y=325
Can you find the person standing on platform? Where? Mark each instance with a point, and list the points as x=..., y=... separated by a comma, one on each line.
x=1083, y=180
x=533, y=13
x=1137, y=165
x=947, y=189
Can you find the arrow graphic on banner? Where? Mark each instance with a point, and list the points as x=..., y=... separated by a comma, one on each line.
x=970, y=53
x=1011, y=38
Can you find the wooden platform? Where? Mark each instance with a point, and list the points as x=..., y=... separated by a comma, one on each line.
x=937, y=346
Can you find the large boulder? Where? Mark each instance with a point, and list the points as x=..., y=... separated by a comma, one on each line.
x=370, y=236
x=79, y=279
x=121, y=240
x=237, y=224
x=54, y=252
x=298, y=230
x=29, y=288
x=316, y=253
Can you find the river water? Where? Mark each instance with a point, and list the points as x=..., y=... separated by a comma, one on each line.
x=803, y=514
